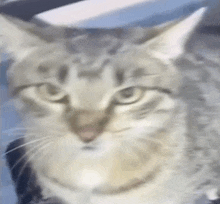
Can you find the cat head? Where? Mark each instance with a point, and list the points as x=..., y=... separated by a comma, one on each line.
x=30, y=45
x=113, y=89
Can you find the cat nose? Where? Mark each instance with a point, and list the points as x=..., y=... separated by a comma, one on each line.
x=88, y=125
x=88, y=134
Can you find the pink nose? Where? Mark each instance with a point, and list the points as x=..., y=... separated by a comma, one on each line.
x=88, y=134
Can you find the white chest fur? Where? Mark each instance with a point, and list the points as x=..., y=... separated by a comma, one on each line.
x=166, y=190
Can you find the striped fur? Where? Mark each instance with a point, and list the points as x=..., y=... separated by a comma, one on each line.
x=109, y=115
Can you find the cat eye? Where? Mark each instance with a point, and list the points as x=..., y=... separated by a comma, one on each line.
x=50, y=92
x=128, y=95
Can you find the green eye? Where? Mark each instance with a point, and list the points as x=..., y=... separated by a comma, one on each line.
x=129, y=95
x=50, y=92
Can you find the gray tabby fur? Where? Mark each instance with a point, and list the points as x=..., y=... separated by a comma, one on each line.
x=188, y=79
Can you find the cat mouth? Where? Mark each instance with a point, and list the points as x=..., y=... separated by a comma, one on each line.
x=89, y=148
x=93, y=146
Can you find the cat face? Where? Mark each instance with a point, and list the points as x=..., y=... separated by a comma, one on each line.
x=100, y=111
x=97, y=112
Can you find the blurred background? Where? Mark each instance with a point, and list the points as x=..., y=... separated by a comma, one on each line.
x=88, y=14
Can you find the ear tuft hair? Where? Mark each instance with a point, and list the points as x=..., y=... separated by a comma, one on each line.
x=18, y=36
x=171, y=42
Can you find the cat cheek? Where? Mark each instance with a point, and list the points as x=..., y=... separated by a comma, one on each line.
x=31, y=108
x=36, y=111
x=19, y=105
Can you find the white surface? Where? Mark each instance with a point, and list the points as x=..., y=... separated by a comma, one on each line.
x=78, y=14
x=84, y=10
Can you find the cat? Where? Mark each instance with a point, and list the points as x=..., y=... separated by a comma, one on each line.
x=114, y=116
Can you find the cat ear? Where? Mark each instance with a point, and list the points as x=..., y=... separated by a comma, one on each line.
x=18, y=36
x=171, y=42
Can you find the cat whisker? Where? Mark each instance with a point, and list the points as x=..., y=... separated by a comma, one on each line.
x=13, y=133
x=15, y=138
x=29, y=151
x=14, y=129
x=18, y=136
x=31, y=158
x=18, y=131
x=23, y=145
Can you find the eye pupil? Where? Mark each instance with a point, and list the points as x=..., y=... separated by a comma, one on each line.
x=52, y=90
x=127, y=93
